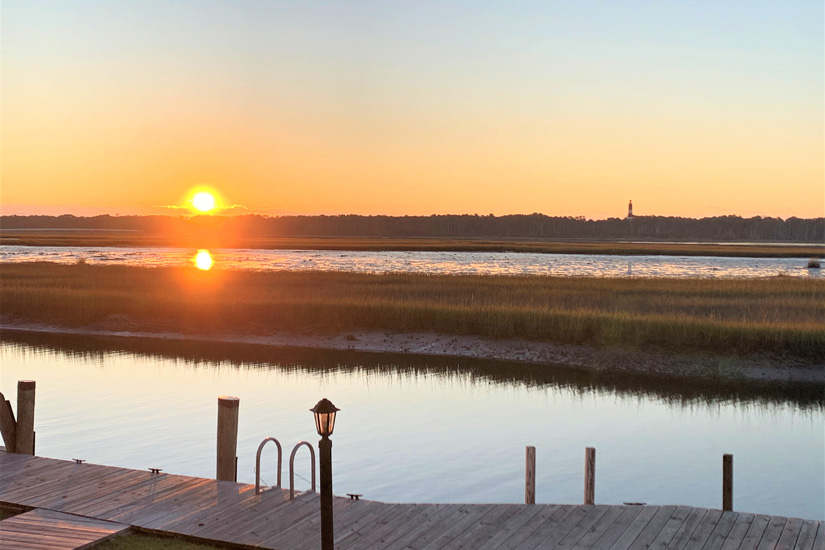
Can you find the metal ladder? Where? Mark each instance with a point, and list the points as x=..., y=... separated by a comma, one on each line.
x=259, y=490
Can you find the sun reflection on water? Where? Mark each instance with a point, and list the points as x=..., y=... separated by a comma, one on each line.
x=452, y=263
x=203, y=260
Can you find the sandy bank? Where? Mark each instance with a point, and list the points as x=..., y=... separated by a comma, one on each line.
x=522, y=351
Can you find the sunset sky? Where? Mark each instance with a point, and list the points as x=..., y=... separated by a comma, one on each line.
x=697, y=108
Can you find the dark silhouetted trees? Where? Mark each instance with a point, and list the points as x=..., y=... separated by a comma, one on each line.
x=518, y=226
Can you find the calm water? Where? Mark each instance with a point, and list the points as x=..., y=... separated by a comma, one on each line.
x=500, y=263
x=427, y=430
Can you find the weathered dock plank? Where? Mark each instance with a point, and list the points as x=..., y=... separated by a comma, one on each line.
x=49, y=530
x=524, y=517
x=182, y=505
x=218, y=516
x=265, y=530
x=772, y=533
x=807, y=535
x=294, y=535
x=470, y=515
x=819, y=542
x=612, y=532
x=581, y=529
x=481, y=532
x=224, y=511
x=143, y=498
x=683, y=534
x=549, y=515
x=724, y=533
x=550, y=536
x=790, y=534
x=399, y=521
x=755, y=533
x=653, y=528
x=635, y=528
x=428, y=520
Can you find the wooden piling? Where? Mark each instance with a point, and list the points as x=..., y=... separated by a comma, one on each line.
x=25, y=418
x=8, y=426
x=530, y=476
x=727, y=482
x=228, y=408
x=589, y=475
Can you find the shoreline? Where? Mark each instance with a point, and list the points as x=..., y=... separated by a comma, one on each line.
x=583, y=246
x=585, y=358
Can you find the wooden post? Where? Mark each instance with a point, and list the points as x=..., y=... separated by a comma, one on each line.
x=727, y=482
x=228, y=408
x=327, y=523
x=530, y=476
x=25, y=418
x=589, y=475
x=8, y=426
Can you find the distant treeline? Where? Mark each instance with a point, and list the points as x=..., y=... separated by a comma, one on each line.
x=519, y=226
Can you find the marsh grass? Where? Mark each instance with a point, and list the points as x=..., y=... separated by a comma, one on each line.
x=780, y=316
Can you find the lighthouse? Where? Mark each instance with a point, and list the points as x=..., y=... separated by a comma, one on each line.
x=630, y=210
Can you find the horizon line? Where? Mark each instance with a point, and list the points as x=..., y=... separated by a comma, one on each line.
x=276, y=216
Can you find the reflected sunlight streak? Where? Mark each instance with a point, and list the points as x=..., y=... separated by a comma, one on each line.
x=203, y=260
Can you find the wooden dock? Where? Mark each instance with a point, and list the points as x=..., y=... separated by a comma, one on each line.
x=210, y=510
x=47, y=530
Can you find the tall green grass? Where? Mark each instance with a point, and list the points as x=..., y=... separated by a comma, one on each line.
x=780, y=316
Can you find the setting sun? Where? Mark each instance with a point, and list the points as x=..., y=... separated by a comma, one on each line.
x=203, y=201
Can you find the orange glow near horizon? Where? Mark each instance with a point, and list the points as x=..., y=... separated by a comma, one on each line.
x=539, y=107
x=588, y=171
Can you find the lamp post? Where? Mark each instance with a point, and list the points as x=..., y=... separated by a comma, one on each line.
x=324, y=412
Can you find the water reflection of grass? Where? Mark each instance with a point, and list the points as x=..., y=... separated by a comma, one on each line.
x=200, y=354
x=781, y=316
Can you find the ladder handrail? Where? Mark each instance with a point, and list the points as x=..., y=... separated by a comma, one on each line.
x=292, y=467
x=258, y=464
